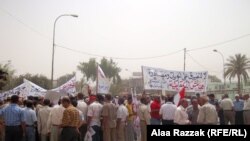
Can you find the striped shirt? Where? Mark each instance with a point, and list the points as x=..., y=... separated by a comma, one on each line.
x=13, y=115
x=71, y=117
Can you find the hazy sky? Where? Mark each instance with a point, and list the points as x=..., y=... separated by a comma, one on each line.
x=125, y=29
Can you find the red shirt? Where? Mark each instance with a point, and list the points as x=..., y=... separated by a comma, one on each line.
x=155, y=108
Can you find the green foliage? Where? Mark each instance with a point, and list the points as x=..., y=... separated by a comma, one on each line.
x=109, y=67
x=88, y=69
x=7, y=76
x=237, y=66
x=40, y=80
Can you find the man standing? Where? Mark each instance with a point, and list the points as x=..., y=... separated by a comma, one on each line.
x=122, y=115
x=238, y=107
x=167, y=111
x=130, y=128
x=181, y=116
x=207, y=113
x=228, y=110
x=14, y=120
x=70, y=121
x=193, y=111
x=30, y=121
x=246, y=109
x=144, y=115
x=43, y=115
x=155, y=108
x=54, y=122
x=109, y=113
x=94, y=117
x=82, y=106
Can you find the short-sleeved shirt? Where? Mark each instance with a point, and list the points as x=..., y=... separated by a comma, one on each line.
x=247, y=104
x=109, y=110
x=122, y=113
x=29, y=116
x=94, y=111
x=155, y=105
x=227, y=104
x=71, y=117
x=167, y=111
x=238, y=105
x=130, y=111
x=13, y=115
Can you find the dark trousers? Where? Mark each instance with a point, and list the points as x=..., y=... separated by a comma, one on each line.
x=221, y=117
x=13, y=133
x=69, y=134
x=97, y=136
x=167, y=122
x=239, y=117
x=83, y=130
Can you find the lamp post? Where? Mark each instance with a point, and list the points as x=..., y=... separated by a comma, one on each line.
x=53, y=50
x=215, y=50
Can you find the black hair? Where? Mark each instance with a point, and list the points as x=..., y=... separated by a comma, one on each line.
x=29, y=103
x=46, y=102
x=14, y=99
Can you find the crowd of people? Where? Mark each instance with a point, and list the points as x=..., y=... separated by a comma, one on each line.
x=107, y=118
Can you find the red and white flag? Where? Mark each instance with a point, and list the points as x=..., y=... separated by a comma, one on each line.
x=179, y=96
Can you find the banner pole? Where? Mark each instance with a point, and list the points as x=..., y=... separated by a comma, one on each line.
x=97, y=78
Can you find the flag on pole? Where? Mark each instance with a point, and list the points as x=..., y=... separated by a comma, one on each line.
x=103, y=83
x=179, y=96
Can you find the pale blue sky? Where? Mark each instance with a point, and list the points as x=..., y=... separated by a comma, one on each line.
x=122, y=28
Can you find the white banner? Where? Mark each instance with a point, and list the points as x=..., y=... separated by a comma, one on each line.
x=19, y=90
x=68, y=87
x=33, y=89
x=103, y=83
x=25, y=89
x=159, y=79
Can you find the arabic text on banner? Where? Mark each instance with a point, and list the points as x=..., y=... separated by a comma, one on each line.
x=158, y=79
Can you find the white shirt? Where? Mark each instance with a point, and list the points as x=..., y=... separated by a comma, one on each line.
x=122, y=112
x=82, y=106
x=247, y=104
x=207, y=114
x=42, y=121
x=167, y=111
x=181, y=116
x=94, y=111
x=81, y=115
x=55, y=116
x=227, y=104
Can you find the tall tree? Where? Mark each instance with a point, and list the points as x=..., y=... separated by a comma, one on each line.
x=111, y=70
x=109, y=67
x=88, y=69
x=237, y=66
x=6, y=75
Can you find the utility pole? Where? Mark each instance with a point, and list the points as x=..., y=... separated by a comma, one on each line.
x=185, y=51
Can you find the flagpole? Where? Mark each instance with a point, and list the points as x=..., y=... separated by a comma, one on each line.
x=143, y=78
x=97, y=78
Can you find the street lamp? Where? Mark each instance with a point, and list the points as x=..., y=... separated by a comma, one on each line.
x=215, y=50
x=53, y=50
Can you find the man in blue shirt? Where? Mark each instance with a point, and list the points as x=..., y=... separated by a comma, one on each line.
x=14, y=120
x=30, y=121
x=238, y=108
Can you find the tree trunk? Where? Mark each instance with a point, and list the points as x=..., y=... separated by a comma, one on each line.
x=239, y=88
